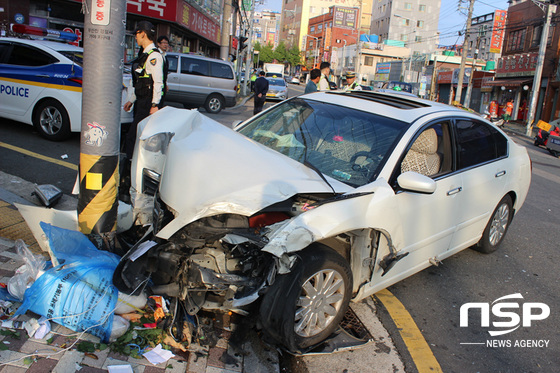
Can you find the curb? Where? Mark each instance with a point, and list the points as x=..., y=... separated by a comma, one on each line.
x=243, y=102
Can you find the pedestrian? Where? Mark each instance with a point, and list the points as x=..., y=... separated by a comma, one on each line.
x=261, y=88
x=147, y=79
x=325, y=68
x=351, y=82
x=509, y=110
x=163, y=46
x=253, y=78
x=314, y=77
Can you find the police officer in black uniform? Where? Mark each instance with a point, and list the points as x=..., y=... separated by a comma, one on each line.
x=147, y=79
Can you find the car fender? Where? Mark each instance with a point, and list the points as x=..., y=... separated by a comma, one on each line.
x=374, y=210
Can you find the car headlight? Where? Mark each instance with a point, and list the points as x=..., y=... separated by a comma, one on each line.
x=157, y=143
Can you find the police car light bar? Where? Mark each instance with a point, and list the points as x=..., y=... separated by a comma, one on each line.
x=54, y=34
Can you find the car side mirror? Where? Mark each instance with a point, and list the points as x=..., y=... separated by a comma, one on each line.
x=415, y=182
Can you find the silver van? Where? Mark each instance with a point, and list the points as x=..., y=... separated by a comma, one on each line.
x=196, y=81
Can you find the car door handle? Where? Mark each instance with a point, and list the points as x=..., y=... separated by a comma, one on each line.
x=501, y=173
x=454, y=191
x=42, y=75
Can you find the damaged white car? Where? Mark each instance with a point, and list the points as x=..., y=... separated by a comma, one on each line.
x=321, y=200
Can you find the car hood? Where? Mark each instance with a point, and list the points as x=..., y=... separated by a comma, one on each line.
x=211, y=169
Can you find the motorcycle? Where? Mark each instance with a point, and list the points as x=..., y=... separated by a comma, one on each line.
x=552, y=144
x=494, y=120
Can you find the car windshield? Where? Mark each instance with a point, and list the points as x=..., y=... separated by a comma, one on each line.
x=279, y=82
x=76, y=56
x=346, y=144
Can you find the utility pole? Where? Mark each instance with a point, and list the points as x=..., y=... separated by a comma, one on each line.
x=433, y=82
x=224, y=45
x=249, y=50
x=471, y=77
x=104, y=34
x=540, y=61
x=464, y=53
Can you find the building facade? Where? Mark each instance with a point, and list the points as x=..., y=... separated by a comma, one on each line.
x=192, y=26
x=414, y=22
x=266, y=26
x=515, y=70
x=296, y=15
x=487, y=35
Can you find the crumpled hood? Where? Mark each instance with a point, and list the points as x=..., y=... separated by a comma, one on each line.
x=211, y=169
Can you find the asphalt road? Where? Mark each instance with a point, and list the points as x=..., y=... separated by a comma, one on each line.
x=527, y=263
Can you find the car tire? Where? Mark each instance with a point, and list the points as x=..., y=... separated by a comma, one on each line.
x=51, y=120
x=294, y=319
x=497, y=227
x=214, y=104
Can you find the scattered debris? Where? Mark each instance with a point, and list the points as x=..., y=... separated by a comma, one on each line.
x=158, y=355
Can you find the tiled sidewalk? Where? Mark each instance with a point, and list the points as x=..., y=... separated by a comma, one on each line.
x=32, y=355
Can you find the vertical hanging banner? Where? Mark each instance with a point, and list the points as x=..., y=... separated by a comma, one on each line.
x=104, y=41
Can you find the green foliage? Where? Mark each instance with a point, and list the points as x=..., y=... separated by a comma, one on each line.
x=86, y=346
x=10, y=333
x=134, y=341
x=267, y=54
x=281, y=53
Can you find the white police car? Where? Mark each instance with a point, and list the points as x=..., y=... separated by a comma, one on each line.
x=41, y=84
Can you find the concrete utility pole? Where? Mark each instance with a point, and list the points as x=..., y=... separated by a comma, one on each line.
x=471, y=77
x=226, y=31
x=104, y=41
x=249, y=51
x=464, y=54
x=433, y=81
x=538, y=70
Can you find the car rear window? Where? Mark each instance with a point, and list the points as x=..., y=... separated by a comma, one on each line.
x=23, y=55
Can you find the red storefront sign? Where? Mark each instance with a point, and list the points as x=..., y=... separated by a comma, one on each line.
x=160, y=9
x=517, y=65
x=499, y=26
x=445, y=77
x=198, y=22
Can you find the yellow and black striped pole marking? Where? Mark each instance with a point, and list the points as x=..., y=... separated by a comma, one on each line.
x=97, y=205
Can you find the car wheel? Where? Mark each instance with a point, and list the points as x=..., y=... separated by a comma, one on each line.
x=51, y=120
x=305, y=306
x=497, y=227
x=214, y=104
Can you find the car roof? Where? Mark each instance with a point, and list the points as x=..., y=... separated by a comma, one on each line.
x=45, y=44
x=198, y=57
x=393, y=105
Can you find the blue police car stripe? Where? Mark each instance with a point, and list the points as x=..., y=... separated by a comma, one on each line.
x=5, y=86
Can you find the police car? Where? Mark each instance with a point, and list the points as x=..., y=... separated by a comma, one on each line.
x=41, y=84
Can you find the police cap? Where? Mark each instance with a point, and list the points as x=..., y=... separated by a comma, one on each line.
x=350, y=75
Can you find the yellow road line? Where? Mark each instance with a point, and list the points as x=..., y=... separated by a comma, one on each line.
x=40, y=156
x=414, y=340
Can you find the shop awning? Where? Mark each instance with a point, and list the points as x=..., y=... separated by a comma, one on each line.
x=508, y=82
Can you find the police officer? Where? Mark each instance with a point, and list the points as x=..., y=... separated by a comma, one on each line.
x=352, y=84
x=147, y=79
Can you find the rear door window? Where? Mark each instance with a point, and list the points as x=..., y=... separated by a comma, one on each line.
x=221, y=70
x=478, y=143
x=23, y=55
x=194, y=66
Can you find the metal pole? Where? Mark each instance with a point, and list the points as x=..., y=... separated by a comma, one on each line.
x=471, y=77
x=464, y=54
x=538, y=70
x=433, y=81
x=410, y=68
x=249, y=50
x=104, y=40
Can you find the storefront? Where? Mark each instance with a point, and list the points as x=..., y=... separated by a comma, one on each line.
x=192, y=27
x=514, y=81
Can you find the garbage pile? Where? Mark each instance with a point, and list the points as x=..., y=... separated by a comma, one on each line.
x=78, y=293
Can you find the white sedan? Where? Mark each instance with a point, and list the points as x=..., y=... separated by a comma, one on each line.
x=320, y=200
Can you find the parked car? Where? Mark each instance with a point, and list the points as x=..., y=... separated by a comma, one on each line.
x=277, y=89
x=294, y=80
x=41, y=84
x=320, y=200
x=196, y=81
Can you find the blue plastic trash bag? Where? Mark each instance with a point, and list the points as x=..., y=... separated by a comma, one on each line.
x=79, y=293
